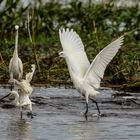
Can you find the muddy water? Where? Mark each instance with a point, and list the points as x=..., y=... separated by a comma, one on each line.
x=59, y=117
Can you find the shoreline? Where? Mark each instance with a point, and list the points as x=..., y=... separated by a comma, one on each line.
x=68, y=84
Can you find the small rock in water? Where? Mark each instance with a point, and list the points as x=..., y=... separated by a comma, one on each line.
x=118, y=94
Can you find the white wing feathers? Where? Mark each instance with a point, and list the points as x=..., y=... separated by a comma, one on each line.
x=96, y=70
x=70, y=41
x=73, y=49
x=77, y=60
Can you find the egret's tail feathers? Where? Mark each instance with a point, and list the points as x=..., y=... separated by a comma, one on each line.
x=94, y=93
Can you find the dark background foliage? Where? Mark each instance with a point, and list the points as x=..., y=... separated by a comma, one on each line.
x=97, y=25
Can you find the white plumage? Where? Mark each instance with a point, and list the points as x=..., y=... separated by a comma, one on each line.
x=15, y=65
x=22, y=98
x=85, y=76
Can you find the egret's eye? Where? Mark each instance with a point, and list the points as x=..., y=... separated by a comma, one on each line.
x=61, y=54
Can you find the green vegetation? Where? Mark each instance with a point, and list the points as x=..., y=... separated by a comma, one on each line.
x=97, y=25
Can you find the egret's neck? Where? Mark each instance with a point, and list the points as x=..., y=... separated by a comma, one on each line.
x=16, y=44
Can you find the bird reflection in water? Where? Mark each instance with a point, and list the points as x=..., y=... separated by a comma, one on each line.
x=19, y=129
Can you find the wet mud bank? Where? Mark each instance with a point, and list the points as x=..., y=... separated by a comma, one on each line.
x=70, y=101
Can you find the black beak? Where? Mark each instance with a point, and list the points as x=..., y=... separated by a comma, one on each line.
x=5, y=96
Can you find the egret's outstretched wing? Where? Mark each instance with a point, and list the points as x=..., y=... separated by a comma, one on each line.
x=98, y=66
x=73, y=49
x=70, y=40
x=29, y=75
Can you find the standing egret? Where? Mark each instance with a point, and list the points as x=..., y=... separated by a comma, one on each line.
x=86, y=77
x=22, y=98
x=15, y=65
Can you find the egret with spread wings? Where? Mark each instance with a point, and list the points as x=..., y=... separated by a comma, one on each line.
x=86, y=77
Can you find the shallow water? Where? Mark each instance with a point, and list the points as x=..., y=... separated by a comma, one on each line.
x=59, y=117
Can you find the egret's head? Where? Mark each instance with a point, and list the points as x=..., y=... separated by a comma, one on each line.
x=61, y=54
x=16, y=27
x=15, y=93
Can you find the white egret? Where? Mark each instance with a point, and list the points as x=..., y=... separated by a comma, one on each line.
x=22, y=98
x=15, y=65
x=86, y=77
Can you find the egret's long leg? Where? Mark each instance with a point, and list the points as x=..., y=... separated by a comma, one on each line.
x=21, y=114
x=5, y=96
x=96, y=105
x=11, y=82
x=85, y=114
x=11, y=87
x=32, y=115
